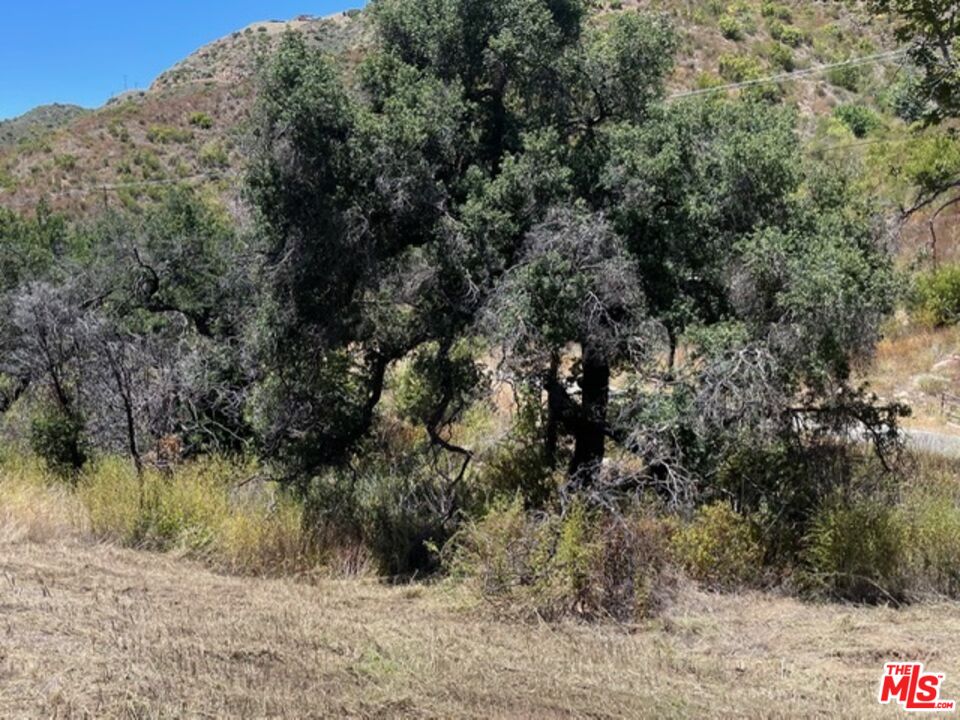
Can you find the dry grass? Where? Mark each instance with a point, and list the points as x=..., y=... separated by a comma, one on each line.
x=92, y=631
x=905, y=369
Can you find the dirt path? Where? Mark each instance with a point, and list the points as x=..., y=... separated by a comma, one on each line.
x=96, y=632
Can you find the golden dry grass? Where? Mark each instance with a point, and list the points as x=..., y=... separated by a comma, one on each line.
x=96, y=632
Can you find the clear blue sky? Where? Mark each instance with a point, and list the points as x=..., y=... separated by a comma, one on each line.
x=80, y=51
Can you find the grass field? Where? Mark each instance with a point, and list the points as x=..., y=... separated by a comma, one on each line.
x=91, y=631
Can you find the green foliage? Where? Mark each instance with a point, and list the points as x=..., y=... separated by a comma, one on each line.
x=167, y=134
x=932, y=162
x=202, y=511
x=860, y=119
x=731, y=28
x=787, y=34
x=781, y=56
x=937, y=296
x=848, y=77
x=777, y=11
x=58, y=439
x=857, y=550
x=719, y=548
x=214, y=156
x=201, y=120
x=737, y=68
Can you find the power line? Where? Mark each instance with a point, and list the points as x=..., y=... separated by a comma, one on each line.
x=852, y=62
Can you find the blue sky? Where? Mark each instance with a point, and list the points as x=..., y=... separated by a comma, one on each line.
x=85, y=51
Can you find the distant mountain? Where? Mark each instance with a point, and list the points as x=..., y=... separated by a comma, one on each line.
x=38, y=121
x=189, y=126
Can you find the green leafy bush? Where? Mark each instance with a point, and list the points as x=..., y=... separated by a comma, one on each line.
x=860, y=120
x=166, y=134
x=719, y=548
x=57, y=438
x=201, y=120
x=937, y=296
x=787, y=34
x=781, y=56
x=737, y=68
x=857, y=550
x=731, y=28
x=777, y=11
x=847, y=77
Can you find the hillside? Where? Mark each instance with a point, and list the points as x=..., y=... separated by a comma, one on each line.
x=39, y=121
x=190, y=124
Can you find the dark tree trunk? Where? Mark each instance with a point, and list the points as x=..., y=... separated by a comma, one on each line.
x=591, y=430
x=551, y=434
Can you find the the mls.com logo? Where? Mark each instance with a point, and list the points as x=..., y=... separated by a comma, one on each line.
x=915, y=690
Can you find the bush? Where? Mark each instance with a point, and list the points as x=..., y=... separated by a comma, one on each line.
x=857, y=550
x=199, y=511
x=719, y=548
x=860, y=120
x=165, y=134
x=57, y=438
x=731, y=28
x=584, y=564
x=777, y=11
x=937, y=296
x=787, y=34
x=399, y=515
x=847, y=77
x=737, y=68
x=201, y=120
x=932, y=509
x=782, y=56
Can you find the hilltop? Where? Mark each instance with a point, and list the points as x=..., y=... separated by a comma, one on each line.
x=38, y=121
x=189, y=126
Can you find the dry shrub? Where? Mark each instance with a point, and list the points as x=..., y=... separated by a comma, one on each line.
x=719, y=548
x=584, y=564
x=874, y=548
x=198, y=512
x=36, y=507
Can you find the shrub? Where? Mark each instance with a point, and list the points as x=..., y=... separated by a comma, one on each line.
x=737, y=68
x=199, y=511
x=860, y=120
x=857, y=550
x=847, y=77
x=731, y=28
x=719, y=548
x=777, y=11
x=213, y=155
x=937, y=296
x=584, y=564
x=57, y=438
x=165, y=134
x=400, y=515
x=787, y=34
x=781, y=56
x=201, y=120
x=931, y=506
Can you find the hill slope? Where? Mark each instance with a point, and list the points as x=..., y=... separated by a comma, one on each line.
x=38, y=121
x=189, y=126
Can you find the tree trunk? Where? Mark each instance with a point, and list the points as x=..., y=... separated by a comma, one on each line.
x=591, y=430
x=551, y=435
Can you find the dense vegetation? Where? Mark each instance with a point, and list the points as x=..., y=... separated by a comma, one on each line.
x=499, y=306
